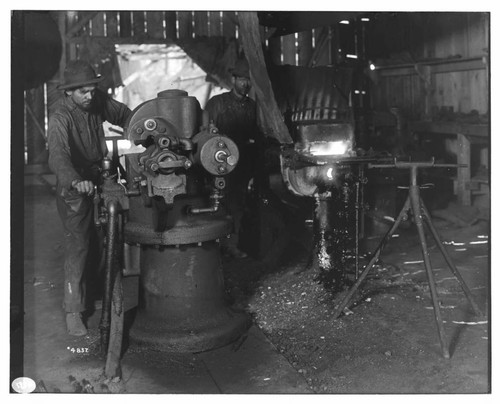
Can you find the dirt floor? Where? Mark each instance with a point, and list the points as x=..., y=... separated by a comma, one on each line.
x=385, y=342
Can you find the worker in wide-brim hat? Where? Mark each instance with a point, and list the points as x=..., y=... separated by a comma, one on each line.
x=76, y=149
x=234, y=114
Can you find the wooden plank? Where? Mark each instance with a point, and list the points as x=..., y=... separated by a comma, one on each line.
x=138, y=27
x=154, y=24
x=185, y=20
x=97, y=24
x=451, y=128
x=463, y=173
x=275, y=50
x=323, y=45
x=81, y=23
x=250, y=37
x=289, y=50
x=111, y=24
x=478, y=29
x=35, y=126
x=109, y=41
x=304, y=48
x=479, y=90
x=61, y=22
x=125, y=24
x=215, y=23
x=200, y=23
x=229, y=21
x=170, y=25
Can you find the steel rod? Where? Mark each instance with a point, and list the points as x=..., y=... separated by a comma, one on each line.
x=373, y=260
x=453, y=268
x=415, y=205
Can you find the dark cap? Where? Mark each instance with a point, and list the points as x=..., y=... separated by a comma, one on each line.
x=79, y=74
x=241, y=68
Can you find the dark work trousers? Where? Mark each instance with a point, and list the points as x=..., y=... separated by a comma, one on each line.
x=235, y=202
x=76, y=213
x=236, y=192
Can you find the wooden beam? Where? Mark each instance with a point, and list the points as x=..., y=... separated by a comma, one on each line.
x=35, y=134
x=463, y=173
x=61, y=22
x=125, y=24
x=304, y=48
x=170, y=25
x=250, y=37
x=451, y=128
x=118, y=41
x=80, y=24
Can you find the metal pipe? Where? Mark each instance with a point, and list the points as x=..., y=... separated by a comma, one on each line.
x=453, y=268
x=113, y=366
x=343, y=304
x=216, y=197
x=417, y=217
x=105, y=322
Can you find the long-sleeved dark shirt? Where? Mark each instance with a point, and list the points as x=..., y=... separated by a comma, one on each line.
x=76, y=137
x=233, y=116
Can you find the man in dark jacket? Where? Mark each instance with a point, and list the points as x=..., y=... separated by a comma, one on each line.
x=76, y=149
x=234, y=113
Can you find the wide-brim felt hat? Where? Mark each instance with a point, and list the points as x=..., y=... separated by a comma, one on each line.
x=79, y=74
x=241, y=68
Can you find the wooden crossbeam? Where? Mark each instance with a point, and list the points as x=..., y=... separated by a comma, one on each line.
x=252, y=45
x=80, y=24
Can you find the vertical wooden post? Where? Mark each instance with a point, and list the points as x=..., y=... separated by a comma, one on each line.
x=215, y=24
x=138, y=23
x=275, y=49
x=62, y=29
x=111, y=24
x=98, y=25
x=185, y=24
x=125, y=24
x=154, y=20
x=428, y=86
x=289, y=50
x=463, y=173
x=71, y=47
x=170, y=25
x=35, y=122
x=228, y=24
x=304, y=48
x=200, y=23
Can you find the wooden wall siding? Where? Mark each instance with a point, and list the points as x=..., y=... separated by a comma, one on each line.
x=147, y=25
x=462, y=83
x=185, y=24
x=125, y=24
x=298, y=50
x=289, y=49
x=465, y=91
x=111, y=24
x=450, y=34
x=304, y=48
x=154, y=25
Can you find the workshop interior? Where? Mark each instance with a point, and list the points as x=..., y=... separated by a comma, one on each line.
x=366, y=229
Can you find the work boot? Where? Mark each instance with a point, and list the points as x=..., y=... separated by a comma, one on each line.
x=74, y=325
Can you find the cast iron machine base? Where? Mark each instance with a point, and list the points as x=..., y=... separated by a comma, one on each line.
x=173, y=230
x=421, y=215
